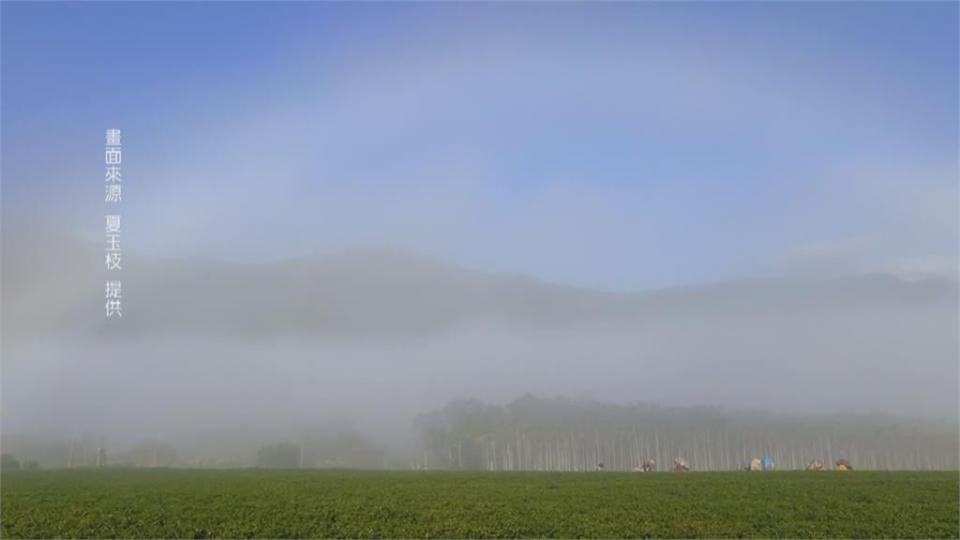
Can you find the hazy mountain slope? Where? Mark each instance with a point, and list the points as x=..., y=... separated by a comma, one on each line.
x=384, y=294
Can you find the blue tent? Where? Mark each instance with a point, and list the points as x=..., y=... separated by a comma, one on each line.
x=767, y=463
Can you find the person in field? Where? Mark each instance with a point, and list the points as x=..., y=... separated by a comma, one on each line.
x=647, y=465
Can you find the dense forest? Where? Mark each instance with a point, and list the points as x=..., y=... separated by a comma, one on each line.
x=572, y=435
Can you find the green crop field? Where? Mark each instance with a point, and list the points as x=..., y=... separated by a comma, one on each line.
x=287, y=504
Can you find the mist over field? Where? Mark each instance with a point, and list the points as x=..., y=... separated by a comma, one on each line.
x=221, y=358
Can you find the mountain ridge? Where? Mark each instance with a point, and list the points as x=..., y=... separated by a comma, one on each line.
x=363, y=292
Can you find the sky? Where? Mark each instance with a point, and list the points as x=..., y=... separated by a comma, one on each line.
x=621, y=146
x=608, y=146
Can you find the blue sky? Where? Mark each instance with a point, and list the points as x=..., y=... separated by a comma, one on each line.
x=619, y=146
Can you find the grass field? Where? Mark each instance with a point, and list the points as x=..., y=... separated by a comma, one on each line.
x=287, y=504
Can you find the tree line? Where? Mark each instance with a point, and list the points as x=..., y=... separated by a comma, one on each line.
x=560, y=434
